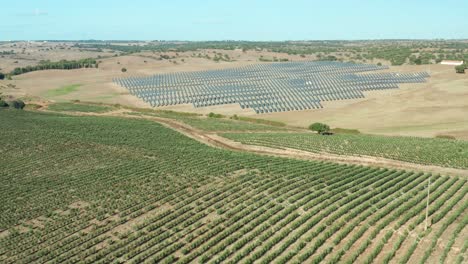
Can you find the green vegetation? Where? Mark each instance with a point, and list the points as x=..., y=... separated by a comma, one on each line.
x=213, y=115
x=79, y=107
x=430, y=151
x=446, y=137
x=319, y=128
x=211, y=124
x=460, y=68
x=258, y=121
x=59, y=65
x=63, y=90
x=6, y=52
x=214, y=122
x=2, y=76
x=17, y=104
x=3, y=103
x=100, y=189
x=124, y=70
x=274, y=59
x=345, y=131
x=395, y=52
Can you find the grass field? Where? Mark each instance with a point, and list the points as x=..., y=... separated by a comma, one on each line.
x=103, y=189
x=63, y=90
x=216, y=124
x=428, y=151
x=76, y=107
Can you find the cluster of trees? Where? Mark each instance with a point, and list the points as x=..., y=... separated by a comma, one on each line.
x=17, y=104
x=213, y=115
x=274, y=59
x=59, y=65
x=397, y=52
x=220, y=57
x=12, y=52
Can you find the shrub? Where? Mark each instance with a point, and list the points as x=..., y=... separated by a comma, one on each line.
x=17, y=104
x=445, y=136
x=319, y=128
x=345, y=131
x=460, y=69
x=258, y=121
x=2, y=76
x=124, y=69
x=213, y=115
x=3, y=103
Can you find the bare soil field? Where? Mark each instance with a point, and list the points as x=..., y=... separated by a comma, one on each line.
x=437, y=107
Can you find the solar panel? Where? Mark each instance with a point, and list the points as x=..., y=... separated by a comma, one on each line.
x=274, y=87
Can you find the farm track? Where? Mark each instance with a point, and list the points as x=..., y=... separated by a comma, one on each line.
x=214, y=140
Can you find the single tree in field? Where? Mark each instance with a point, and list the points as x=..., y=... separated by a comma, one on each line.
x=319, y=128
x=124, y=69
x=460, y=69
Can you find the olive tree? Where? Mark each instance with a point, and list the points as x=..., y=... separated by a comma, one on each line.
x=319, y=128
x=460, y=69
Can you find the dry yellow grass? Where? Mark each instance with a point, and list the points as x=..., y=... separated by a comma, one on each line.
x=437, y=107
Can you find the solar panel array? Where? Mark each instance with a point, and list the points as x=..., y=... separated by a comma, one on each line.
x=274, y=87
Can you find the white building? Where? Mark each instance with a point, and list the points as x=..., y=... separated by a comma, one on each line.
x=451, y=62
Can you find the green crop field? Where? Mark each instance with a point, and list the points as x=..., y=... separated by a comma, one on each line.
x=87, y=189
x=63, y=90
x=214, y=124
x=428, y=151
x=75, y=107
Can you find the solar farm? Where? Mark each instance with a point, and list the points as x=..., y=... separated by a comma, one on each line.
x=267, y=88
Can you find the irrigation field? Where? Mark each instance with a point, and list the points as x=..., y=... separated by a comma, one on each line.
x=100, y=190
x=274, y=87
x=427, y=151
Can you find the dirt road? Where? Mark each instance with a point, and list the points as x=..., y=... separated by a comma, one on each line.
x=214, y=140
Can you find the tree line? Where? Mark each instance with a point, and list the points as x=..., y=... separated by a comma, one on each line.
x=59, y=65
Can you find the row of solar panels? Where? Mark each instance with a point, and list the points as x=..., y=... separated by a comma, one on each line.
x=270, y=87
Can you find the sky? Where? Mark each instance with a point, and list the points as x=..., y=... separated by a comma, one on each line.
x=260, y=20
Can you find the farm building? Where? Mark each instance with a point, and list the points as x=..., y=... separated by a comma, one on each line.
x=451, y=62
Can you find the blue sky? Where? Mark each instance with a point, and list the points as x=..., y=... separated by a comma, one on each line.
x=233, y=19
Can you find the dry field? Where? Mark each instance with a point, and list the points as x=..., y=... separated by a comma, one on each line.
x=436, y=107
x=31, y=53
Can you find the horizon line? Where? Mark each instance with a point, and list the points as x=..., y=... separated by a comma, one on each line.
x=240, y=40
